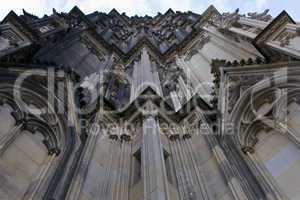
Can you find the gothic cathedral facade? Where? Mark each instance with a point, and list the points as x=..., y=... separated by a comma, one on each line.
x=177, y=106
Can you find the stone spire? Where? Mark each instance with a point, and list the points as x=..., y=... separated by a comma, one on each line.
x=144, y=76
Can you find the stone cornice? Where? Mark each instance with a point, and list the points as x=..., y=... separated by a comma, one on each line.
x=13, y=18
x=272, y=28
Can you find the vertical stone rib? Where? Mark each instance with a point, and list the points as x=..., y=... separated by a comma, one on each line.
x=191, y=170
x=267, y=182
x=134, y=82
x=144, y=76
x=188, y=176
x=120, y=168
x=198, y=171
x=124, y=180
x=106, y=182
x=237, y=167
x=86, y=156
x=112, y=183
x=182, y=170
x=178, y=169
x=102, y=185
x=234, y=184
x=115, y=186
x=33, y=192
x=154, y=172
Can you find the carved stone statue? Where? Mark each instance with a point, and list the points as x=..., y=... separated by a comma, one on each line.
x=264, y=16
x=226, y=20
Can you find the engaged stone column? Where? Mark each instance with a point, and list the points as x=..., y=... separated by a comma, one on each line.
x=227, y=168
x=84, y=162
x=266, y=181
x=153, y=168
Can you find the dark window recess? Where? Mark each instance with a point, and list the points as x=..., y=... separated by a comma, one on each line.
x=169, y=167
x=137, y=167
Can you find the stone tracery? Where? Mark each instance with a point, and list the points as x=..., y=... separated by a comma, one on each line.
x=128, y=107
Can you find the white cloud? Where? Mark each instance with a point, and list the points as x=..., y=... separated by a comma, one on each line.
x=139, y=7
x=260, y=4
x=131, y=7
x=35, y=6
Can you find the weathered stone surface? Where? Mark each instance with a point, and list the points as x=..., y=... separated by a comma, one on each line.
x=178, y=106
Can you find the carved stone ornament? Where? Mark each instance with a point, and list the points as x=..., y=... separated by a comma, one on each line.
x=264, y=16
x=247, y=149
x=285, y=37
x=92, y=48
x=226, y=20
x=204, y=39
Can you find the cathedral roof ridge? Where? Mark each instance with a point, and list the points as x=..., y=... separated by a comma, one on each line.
x=279, y=21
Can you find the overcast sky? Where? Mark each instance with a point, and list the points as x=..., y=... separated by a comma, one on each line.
x=149, y=7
